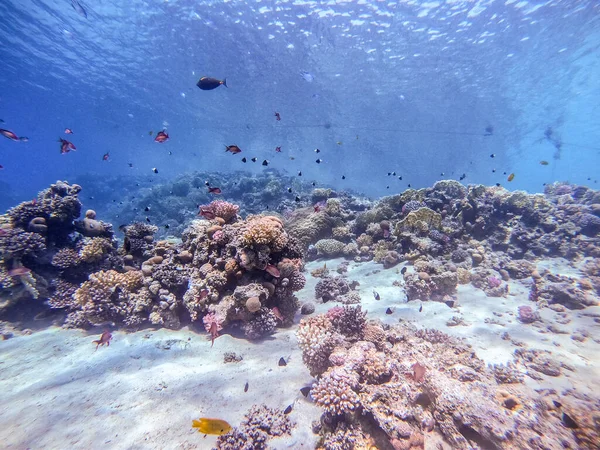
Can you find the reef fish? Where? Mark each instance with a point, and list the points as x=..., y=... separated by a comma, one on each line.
x=105, y=156
x=214, y=190
x=68, y=131
x=9, y=134
x=211, y=426
x=277, y=116
x=376, y=295
x=105, y=338
x=66, y=146
x=17, y=272
x=544, y=163
x=233, y=149
x=511, y=177
x=208, y=83
x=161, y=137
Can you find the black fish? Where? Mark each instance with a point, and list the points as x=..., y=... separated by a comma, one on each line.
x=394, y=174
x=290, y=190
x=299, y=174
x=400, y=177
x=167, y=226
x=246, y=387
x=463, y=176
x=155, y=170
x=319, y=161
x=421, y=308
x=265, y=163
x=313, y=183
x=288, y=410
x=489, y=130
x=376, y=295
x=147, y=220
x=408, y=184
x=147, y=208
x=492, y=156
x=305, y=390
x=207, y=83
x=130, y=164
x=403, y=271
x=244, y=159
x=389, y=311
x=206, y=183
x=297, y=198
x=253, y=160
x=78, y=8
x=317, y=150
x=281, y=362
x=343, y=177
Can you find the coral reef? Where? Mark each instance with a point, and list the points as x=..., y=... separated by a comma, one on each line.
x=417, y=382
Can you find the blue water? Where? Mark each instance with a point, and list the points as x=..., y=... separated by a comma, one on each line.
x=403, y=86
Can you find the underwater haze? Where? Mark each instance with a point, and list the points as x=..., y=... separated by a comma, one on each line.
x=404, y=86
x=300, y=224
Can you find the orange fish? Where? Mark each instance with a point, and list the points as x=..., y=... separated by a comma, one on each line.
x=214, y=190
x=273, y=271
x=66, y=146
x=277, y=314
x=105, y=338
x=233, y=149
x=68, y=131
x=161, y=137
x=9, y=135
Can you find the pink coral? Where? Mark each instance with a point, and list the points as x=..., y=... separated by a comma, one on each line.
x=494, y=282
x=527, y=314
x=219, y=208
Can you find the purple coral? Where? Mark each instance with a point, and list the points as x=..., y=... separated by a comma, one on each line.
x=527, y=314
x=494, y=282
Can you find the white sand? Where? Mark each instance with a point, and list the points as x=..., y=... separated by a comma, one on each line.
x=57, y=392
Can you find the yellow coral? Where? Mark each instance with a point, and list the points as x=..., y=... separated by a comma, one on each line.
x=264, y=230
x=422, y=220
x=94, y=249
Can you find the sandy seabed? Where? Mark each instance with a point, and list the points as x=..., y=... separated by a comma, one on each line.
x=144, y=390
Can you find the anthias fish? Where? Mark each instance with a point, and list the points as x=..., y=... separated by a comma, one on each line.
x=105, y=156
x=9, y=134
x=68, y=131
x=233, y=149
x=66, y=146
x=206, y=425
x=105, y=338
x=511, y=177
x=161, y=137
x=208, y=83
x=214, y=190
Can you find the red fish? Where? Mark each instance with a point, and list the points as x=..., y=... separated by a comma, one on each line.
x=68, y=131
x=277, y=116
x=317, y=208
x=106, y=156
x=161, y=137
x=9, y=134
x=278, y=149
x=105, y=338
x=66, y=146
x=233, y=149
x=214, y=190
x=17, y=272
x=273, y=271
x=277, y=314
x=206, y=212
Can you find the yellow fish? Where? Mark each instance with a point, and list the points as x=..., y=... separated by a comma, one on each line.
x=511, y=177
x=211, y=426
x=544, y=163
